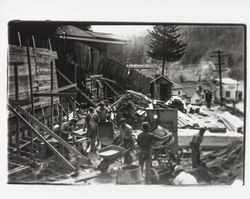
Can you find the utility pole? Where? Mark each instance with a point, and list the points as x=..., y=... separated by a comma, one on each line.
x=219, y=54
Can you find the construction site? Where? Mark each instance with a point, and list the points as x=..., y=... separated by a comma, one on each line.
x=78, y=111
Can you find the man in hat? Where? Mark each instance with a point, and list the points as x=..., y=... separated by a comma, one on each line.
x=144, y=142
x=195, y=148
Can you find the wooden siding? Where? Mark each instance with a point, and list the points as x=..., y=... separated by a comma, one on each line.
x=40, y=68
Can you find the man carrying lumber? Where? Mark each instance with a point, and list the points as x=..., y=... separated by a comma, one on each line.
x=195, y=148
x=126, y=139
x=144, y=141
x=91, y=120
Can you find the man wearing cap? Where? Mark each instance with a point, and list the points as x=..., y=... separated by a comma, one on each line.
x=144, y=141
x=195, y=148
x=126, y=139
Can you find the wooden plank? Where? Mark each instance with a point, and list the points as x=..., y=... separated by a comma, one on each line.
x=53, y=94
x=63, y=88
x=18, y=169
x=55, y=136
x=41, y=137
x=111, y=88
x=39, y=51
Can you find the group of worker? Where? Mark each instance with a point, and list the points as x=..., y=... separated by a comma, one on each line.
x=144, y=139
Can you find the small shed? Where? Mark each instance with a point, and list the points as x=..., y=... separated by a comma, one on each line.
x=161, y=88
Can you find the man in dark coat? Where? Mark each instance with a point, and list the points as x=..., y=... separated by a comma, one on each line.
x=195, y=148
x=144, y=141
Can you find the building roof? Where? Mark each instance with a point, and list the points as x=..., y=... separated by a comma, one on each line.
x=162, y=76
x=74, y=33
x=228, y=80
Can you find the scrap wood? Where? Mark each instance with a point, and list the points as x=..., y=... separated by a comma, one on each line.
x=18, y=169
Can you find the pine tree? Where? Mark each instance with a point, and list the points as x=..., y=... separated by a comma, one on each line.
x=165, y=44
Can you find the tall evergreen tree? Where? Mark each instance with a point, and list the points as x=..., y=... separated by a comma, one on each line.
x=165, y=44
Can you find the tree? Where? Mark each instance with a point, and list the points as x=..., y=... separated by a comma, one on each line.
x=165, y=44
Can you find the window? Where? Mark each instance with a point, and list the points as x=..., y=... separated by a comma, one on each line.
x=227, y=93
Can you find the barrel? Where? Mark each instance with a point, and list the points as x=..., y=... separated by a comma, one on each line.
x=129, y=175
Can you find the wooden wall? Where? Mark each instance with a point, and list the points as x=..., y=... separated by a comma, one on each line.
x=40, y=59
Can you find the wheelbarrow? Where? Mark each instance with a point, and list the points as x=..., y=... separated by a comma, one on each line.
x=105, y=132
x=110, y=154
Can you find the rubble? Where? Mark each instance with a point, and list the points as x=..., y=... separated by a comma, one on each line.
x=225, y=165
x=128, y=105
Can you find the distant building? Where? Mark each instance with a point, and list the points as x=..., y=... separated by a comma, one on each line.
x=232, y=90
x=195, y=92
x=161, y=88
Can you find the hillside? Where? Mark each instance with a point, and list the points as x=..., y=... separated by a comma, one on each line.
x=201, y=41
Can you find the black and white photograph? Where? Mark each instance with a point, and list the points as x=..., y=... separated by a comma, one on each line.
x=158, y=104
x=124, y=99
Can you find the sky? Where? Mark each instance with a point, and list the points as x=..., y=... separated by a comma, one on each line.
x=122, y=30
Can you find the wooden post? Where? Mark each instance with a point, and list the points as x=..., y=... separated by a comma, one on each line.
x=60, y=117
x=220, y=76
x=33, y=41
x=19, y=39
x=17, y=121
x=67, y=111
x=51, y=98
x=75, y=81
x=31, y=88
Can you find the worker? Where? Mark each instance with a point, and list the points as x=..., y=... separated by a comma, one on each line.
x=208, y=97
x=66, y=129
x=144, y=142
x=90, y=123
x=195, y=148
x=102, y=112
x=127, y=142
x=183, y=178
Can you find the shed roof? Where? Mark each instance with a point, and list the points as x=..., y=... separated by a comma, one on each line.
x=160, y=77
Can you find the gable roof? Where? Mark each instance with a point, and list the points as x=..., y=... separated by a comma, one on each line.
x=162, y=76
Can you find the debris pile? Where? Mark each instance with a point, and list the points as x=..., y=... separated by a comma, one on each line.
x=128, y=105
x=226, y=164
x=176, y=102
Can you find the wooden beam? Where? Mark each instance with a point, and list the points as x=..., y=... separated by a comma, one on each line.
x=108, y=80
x=57, y=90
x=51, y=97
x=19, y=102
x=111, y=88
x=42, y=138
x=31, y=86
x=19, y=39
x=77, y=89
x=53, y=94
x=17, y=120
x=18, y=169
x=52, y=134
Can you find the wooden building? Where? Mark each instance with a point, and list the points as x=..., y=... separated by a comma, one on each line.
x=161, y=88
